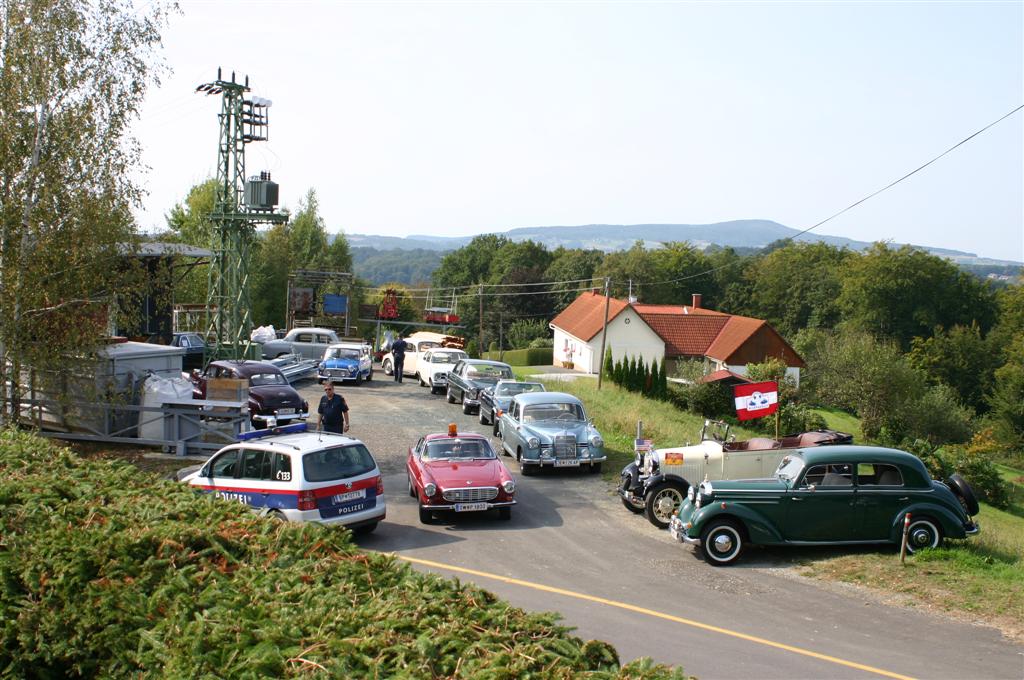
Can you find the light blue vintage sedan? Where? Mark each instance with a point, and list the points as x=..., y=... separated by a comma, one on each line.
x=550, y=429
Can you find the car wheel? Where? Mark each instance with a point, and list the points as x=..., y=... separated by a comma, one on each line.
x=662, y=502
x=964, y=493
x=412, y=489
x=721, y=542
x=359, y=378
x=527, y=470
x=466, y=408
x=595, y=468
x=277, y=516
x=388, y=368
x=923, y=534
x=497, y=432
x=482, y=417
x=451, y=397
x=505, y=513
x=369, y=376
x=426, y=516
x=365, y=529
x=423, y=383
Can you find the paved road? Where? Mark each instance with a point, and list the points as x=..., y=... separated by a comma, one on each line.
x=570, y=547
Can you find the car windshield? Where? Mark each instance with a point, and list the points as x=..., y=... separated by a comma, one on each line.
x=512, y=389
x=337, y=462
x=789, y=468
x=539, y=412
x=339, y=353
x=459, y=448
x=258, y=379
x=488, y=372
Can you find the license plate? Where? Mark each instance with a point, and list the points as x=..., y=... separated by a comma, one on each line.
x=568, y=462
x=350, y=496
x=285, y=411
x=470, y=507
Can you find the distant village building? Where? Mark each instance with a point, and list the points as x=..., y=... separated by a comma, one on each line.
x=669, y=333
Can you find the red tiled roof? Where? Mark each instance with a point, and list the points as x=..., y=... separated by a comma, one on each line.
x=686, y=334
x=584, y=318
x=673, y=309
x=735, y=332
x=723, y=374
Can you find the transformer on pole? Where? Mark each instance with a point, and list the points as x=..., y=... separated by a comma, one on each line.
x=240, y=204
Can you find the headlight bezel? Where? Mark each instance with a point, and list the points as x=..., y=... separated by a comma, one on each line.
x=596, y=440
x=429, y=489
x=509, y=486
x=533, y=443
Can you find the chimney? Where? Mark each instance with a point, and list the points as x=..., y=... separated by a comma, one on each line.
x=696, y=300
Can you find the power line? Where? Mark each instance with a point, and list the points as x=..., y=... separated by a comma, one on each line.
x=855, y=204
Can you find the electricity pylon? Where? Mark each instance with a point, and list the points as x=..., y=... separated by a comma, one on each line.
x=240, y=205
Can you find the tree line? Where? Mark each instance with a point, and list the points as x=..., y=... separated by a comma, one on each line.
x=906, y=340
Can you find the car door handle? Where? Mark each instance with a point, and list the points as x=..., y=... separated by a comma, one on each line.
x=905, y=498
x=796, y=499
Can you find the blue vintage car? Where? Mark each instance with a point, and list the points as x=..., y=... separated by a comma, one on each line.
x=550, y=429
x=346, y=361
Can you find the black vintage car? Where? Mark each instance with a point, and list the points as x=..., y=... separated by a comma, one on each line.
x=195, y=348
x=470, y=376
x=272, y=401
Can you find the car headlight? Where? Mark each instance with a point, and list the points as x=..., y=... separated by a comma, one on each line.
x=509, y=486
x=322, y=365
x=690, y=494
x=595, y=440
x=533, y=442
x=429, y=490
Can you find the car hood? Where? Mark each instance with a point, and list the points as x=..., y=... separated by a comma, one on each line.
x=740, y=487
x=546, y=431
x=449, y=474
x=341, y=363
x=276, y=396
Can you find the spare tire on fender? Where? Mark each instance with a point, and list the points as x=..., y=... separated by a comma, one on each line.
x=963, y=490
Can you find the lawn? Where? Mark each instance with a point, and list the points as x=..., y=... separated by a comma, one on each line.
x=842, y=421
x=981, y=577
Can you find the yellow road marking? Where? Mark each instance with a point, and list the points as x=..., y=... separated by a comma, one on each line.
x=656, y=614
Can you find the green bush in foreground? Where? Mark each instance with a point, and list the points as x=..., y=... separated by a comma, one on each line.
x=106, y=571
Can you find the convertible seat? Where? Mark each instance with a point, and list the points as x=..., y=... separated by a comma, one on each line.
x=762, y=444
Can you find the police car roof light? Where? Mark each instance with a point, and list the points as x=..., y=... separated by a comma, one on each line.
x=284, y=429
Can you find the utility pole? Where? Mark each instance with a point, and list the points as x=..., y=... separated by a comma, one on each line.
x=240, y=204
x=604, y=331
x=501, y=337
x=481, y=327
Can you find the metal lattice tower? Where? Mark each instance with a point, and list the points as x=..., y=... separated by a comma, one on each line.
x=234, y=219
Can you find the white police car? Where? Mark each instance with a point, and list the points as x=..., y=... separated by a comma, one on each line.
x=297, y=475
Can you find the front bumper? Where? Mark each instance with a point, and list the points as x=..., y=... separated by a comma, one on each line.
x=451, y=506
x=325, y=375
x=972, y=528
x=565, y=462
x=678, y=533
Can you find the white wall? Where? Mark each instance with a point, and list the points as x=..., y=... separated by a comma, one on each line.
x=571, y=348
x=628, y=336
x=792, y=373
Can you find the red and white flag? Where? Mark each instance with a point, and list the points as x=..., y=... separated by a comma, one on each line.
x=755, y=400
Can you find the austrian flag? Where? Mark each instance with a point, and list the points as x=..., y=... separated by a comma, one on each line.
x=755, y=400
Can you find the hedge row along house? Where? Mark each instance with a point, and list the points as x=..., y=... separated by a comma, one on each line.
x=672, y=334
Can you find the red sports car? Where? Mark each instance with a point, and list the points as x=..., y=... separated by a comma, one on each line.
x=455, y=472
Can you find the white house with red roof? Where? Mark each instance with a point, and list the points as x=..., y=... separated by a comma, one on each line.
x=668, y=333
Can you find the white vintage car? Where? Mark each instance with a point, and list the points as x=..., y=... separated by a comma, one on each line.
x=657, y=481
x=434, y=364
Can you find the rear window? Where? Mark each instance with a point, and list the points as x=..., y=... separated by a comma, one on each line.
x=337, y=462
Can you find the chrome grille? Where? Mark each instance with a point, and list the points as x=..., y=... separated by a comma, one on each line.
x=470, y=494
x=565, y=446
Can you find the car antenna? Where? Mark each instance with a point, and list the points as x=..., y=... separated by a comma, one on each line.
x=319, y=433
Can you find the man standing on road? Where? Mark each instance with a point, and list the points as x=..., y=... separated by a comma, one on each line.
x=333, y=411
x=398, y=353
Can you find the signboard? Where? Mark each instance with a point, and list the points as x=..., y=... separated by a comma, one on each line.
x=301, y=300
x=335, y=304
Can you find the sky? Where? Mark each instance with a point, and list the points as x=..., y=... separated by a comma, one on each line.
x=461, y=118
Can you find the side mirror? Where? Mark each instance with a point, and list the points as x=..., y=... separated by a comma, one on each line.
x=205, y=472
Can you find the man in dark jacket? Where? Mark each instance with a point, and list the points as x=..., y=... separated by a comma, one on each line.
x=333, y=411
x=398, y=348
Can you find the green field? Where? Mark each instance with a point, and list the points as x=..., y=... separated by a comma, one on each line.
x=982, y=576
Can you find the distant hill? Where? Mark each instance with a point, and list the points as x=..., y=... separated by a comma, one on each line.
x=739, y=234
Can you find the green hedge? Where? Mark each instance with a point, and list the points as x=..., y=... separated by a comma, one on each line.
x=533, y=356
x=106, y=571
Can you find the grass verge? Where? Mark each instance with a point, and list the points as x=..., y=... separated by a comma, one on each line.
x=106, y=571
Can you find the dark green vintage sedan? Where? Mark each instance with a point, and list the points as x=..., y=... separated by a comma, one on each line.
x=829, y=496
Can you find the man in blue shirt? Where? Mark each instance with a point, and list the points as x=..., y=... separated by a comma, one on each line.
x=398, y=348
x=333, y=411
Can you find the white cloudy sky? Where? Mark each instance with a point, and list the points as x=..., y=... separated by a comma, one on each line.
x=459, y=118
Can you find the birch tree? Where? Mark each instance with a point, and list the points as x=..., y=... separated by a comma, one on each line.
x=72, y=77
